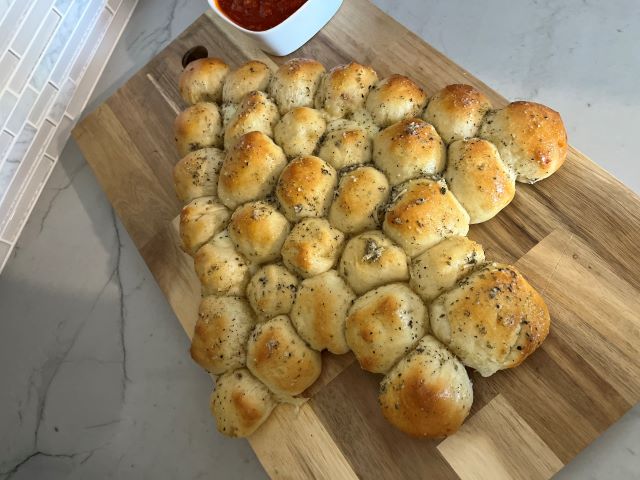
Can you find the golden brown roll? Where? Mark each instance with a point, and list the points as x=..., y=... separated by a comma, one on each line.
x=200, y=220
x=457, y=112
x=395, y=98
x=271, y=291
x=202, y=80
x=530, y=137
x=428, y=393
x=221, y=333
x=296, y=83
x=344, y=89
x=384, y=325
x=312, y=247
x=278, y=357
x=250, y=77
x=256, y=113
x=345, y=144
x=240, y=403
x=409, y=149
x=320, y=310
x=299, y=131
x=370, y=260
x=258, y=230
x=250, y=169
x=439, y=268
x=479, y=179
x=424, y=212
x=493, y=320
x=361, y=192
x=305, y=188
x=198, y=126
x=221, y=269
x=196, y=174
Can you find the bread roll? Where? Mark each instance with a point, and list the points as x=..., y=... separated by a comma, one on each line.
x=360, y=194
x=296, y=83
x=530, y=137
x=200, y=220
x=278, y=357
x=320, y=310
x=299, y=131
x=271, y=291
x=221, y=333
x=221, y=269
x=345, y=144
x=395, y=98
x=439, y=268
x=305, y=188
x=198, y=126
x=256, y=113
x=252, y=76
x=312, y=247
x=258, y=231
x=202, y=80
x=424, y=212
x=370, y=260
x=345, y=88
x=428, y=393
x=457, y=112
x=493, y=320
x=196, y=174
x=479, y=179
x=240, y=403
x=384, y=325
x=409, y=149
x=250, y=169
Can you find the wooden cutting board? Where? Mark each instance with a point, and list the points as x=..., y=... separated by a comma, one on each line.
x=574, y=236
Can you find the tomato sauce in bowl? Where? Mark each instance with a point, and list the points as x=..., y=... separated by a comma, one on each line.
x=259, y=15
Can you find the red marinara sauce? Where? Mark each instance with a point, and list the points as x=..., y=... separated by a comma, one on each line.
x=259, y=15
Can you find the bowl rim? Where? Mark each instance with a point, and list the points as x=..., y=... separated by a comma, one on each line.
x=287, y=20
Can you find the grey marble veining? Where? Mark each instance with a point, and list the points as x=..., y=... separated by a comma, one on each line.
x=97, y=382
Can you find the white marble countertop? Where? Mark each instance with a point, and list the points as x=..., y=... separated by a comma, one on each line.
x=96, y=380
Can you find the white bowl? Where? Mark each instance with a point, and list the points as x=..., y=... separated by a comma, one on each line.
x=295, y=31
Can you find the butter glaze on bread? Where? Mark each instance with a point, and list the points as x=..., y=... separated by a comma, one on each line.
x=395, y=98
x=198, y=126
x=493, y=320
x=428, y=393
x=295, y=83
x=256, y=113
x=299, y=131
x=202, y=80
x=221, y=269
x=457, y=112
x=196, y=174
x=271, y=291
x=344, y=89
x=240, y=403
x=278, y=357
x=250, y=77
x=530, y=137
x=200, y=220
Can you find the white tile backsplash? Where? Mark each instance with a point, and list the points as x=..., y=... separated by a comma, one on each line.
x=31, y=57
x=51, y=56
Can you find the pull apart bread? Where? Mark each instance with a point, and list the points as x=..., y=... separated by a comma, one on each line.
x=329, y=210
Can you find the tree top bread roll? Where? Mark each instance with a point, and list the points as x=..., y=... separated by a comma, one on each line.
x=252, y=76
x=384, y=325
x=395, y=98
x=457, y=112
x=278, y=357
x=428, y=393
x=479, y=179
x=341, y=226
x=295, y=83
x=493, y=320
x=202, y=80
x=530, y=137
x=199, y=126
x=221, y=333
x=344, y=89
x=240, y=403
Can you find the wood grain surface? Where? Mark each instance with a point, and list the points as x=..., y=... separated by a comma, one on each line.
x=574, y=236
